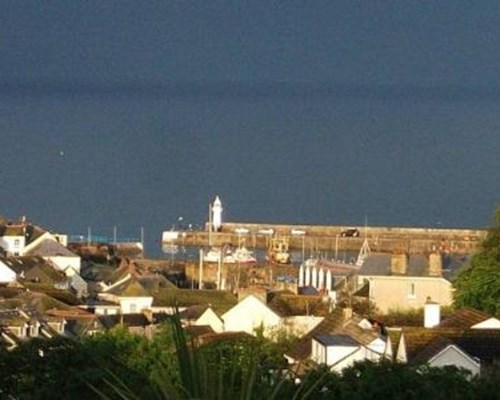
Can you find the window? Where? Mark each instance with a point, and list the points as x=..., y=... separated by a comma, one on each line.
x=411, y=290
x=133, y=308
x=17, y=242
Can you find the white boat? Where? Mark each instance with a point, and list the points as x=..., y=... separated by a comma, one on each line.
x=243, y=256
x=214, y=255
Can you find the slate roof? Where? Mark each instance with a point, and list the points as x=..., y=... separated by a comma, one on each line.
x=50, y=248
x=194, y=331
x=97, y=272
x=33, y=232
x=154, y=283
x=464, y=318
x=193, y=312
x=31, y=267
x=22, y=264
x=33, y=301
x=421, y=343
x=129, y=288
x=380, y=265
x=377, y=264
x=7, y=292
x=220, y=301
x=336, y=340
x=9, y=317
x=334, y=324
x=308, y=290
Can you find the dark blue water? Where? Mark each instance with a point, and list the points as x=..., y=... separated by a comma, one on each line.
x=136, y=155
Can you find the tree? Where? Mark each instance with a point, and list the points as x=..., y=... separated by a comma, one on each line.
x=478, y=284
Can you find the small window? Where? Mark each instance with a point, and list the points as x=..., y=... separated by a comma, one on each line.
x=17, y=242
x=411, y=290
x=133, y=308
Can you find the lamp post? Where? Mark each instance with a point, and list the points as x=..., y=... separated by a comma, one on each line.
x=298, y=232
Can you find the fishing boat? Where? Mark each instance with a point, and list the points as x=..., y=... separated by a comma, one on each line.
x=244, y=256
x=341, y=267
x=216, y=254
x=279, y=250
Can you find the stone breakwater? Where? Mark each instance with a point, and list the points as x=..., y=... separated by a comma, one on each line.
x=329, y=238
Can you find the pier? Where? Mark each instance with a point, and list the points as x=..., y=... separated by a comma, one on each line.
x=323, y=238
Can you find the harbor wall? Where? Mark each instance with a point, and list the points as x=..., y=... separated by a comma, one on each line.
x=329, y=238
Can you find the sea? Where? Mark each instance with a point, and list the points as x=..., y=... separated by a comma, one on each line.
x=137, y=159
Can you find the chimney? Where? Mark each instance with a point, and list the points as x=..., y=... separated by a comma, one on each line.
x=347, y=313
x=399, y=263
x=432, y=313
x=435, y=264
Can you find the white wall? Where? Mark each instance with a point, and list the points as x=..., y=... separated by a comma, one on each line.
x=210, y=318
x=250, y=314
x=490, y=323
x=361, y=354
x=14, y=245
x=131, y=305
x=335, y=353
x=340, y=357
x=62, y=263
x=106, y=310
x=451, y=355
x=6, y=274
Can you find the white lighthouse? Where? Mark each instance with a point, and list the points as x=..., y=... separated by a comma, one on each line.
x=217, y=214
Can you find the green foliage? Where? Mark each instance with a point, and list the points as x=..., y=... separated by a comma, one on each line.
x=46, y=369
x=219, y=300
x=478, y=284
x=385, y=380
x=408, y=317
x=118, y=365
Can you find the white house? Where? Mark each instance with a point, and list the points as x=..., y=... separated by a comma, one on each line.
x=439, y=347
x=129, y=294
x=454, y=355
x=250, y=315
x=340, y=351
x=340, y=340
x=48, y=247
x=13, y=239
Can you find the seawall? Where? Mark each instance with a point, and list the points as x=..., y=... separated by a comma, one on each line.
x=329, y=238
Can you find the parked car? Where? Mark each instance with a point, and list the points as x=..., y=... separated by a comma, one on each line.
x=351, y=232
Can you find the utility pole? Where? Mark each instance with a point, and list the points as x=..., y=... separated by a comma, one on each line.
x=200, y=278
